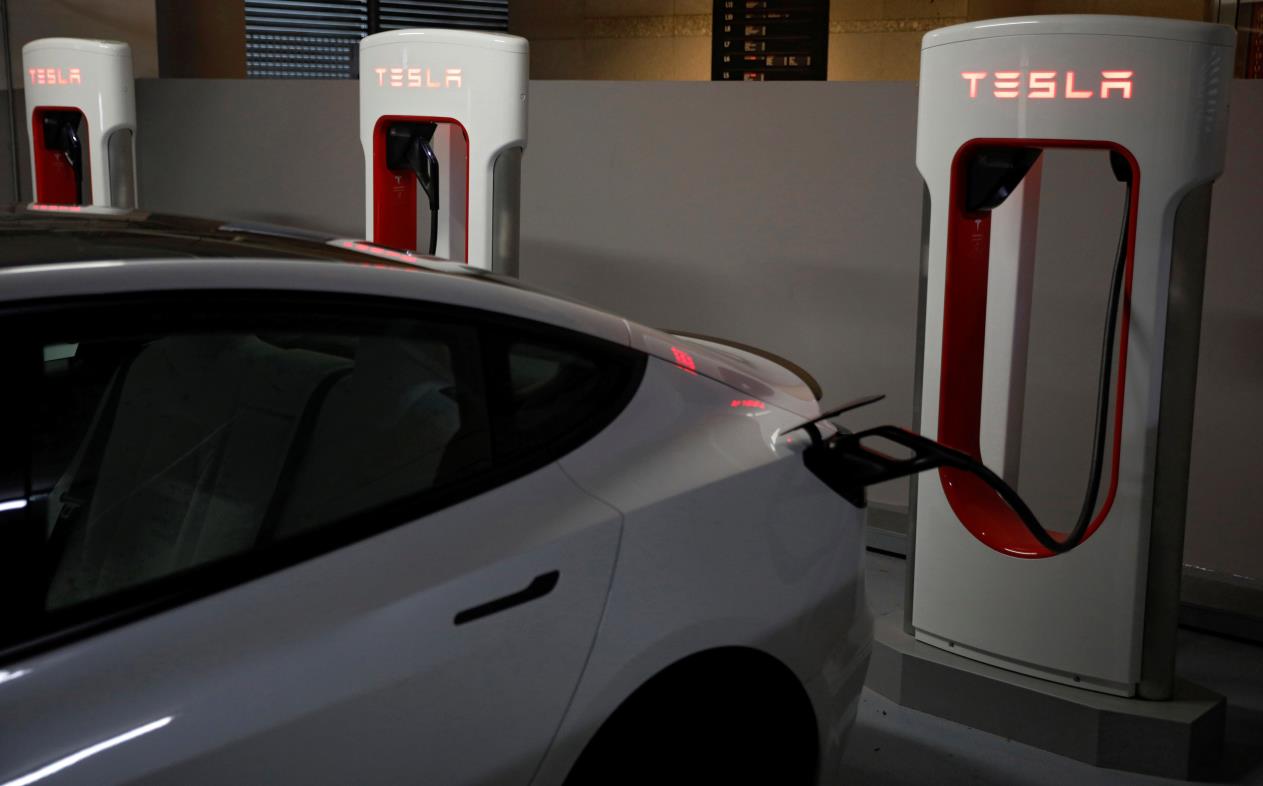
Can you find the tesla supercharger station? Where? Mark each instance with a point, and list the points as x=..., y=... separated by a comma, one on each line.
x=81, y=113
x=443, y=127
x=1090, y=603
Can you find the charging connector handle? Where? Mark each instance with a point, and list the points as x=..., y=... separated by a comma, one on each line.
x=409, y=147
x=848, y=467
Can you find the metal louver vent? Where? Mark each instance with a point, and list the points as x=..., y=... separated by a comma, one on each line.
x=316, y=39
x=303, y=39
x=460, y=14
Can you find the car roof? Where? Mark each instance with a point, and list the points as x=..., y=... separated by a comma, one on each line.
x=59, y=251
x=56, y=252
x=39, y=234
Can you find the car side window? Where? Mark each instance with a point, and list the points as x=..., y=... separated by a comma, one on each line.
x=185, y=443
x=161, y=452
x=560, y=390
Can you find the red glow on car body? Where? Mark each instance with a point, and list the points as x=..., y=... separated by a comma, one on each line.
x=684, y=360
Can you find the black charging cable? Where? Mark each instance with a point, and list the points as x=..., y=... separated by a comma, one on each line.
x=849, y=467
x=1123, y=172
x=409, y=146
x=427, y=172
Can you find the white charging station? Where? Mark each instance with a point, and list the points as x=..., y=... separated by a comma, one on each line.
x=81, y=116
x=1153, y=93
x=443, y=112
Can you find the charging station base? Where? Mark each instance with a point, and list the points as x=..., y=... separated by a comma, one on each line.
x=1181, y=738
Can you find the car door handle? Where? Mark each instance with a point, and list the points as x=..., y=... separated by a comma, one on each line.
x=540, y=586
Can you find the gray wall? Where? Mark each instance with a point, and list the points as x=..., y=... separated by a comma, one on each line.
x=783, y=215
x=1225, y=530
x=282, y=152
x=131, y=21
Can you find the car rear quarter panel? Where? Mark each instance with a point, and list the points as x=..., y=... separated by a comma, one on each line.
x=728, y=541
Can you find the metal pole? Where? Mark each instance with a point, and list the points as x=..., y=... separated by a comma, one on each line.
x=13, y=93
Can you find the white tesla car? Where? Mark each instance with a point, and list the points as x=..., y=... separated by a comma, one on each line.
x=283, y=509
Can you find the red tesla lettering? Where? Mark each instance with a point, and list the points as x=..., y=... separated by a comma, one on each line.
x=974, y=78
x=1043, y=84
x=747, y=403
x=74, y=77
x=418, y=77
x=1071, y=92
x=1116, y=80
x=1007, y=83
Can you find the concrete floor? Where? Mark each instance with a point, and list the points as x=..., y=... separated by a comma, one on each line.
x=892, y=745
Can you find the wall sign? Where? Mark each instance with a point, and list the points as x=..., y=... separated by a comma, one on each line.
x=768, y=40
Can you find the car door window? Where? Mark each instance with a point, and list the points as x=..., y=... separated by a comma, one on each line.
x=184, y=443
x=164, y=447
x=560, y=390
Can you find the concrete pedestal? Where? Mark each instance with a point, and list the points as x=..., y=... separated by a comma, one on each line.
x=1181, y=738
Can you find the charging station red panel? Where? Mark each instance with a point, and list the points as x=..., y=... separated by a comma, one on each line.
x=395, y=191
x=978, y=507
x=56, y=182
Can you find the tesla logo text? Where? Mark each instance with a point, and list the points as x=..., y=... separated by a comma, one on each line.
x=417, y=77
x=55, y=76
x=747, y=403
x=1048, y=84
